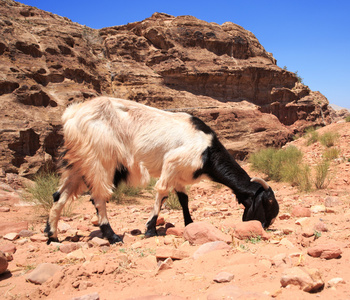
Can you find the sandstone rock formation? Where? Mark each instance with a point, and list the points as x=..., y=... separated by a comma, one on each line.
x=220, y=73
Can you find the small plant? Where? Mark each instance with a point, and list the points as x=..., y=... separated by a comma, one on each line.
x=331, y=153
x=329, y=139
x=172, y=202
x=317, y=234
x=277, y=164
x=322, y=175
x=312, y=136
x=300, y=79
x=347, y=119
x=254, y=240
x=45, y=184
x=123, y=192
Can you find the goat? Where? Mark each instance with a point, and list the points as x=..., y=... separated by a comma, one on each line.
x=109, y=140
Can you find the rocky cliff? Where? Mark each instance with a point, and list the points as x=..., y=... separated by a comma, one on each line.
x=220, y=73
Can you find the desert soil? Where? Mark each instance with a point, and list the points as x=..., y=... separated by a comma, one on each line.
x=130, y=270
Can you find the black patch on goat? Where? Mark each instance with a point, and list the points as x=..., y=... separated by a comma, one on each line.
x=221, y=167
x=56, y=196
x=108, y=233
x=183, y=199
x=121, y=174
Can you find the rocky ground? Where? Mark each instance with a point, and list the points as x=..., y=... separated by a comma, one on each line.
x=304, y=255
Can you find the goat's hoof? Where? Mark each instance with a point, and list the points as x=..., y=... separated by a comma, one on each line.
x=115, y=239
x=150, y=232
x=51, y=239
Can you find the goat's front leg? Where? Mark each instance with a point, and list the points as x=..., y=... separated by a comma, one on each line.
x=152, y=220
x=103, y=222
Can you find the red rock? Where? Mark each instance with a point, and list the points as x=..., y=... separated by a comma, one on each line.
x=3, y=262
x=38, y=238
x=42, y=273
x=301, y=212
x=250, y=229
x=9, y=248
x=4, y=209
x=68, y=248
x=165, y=252
x=326, y=251
x=309, y=280
x=8, y=227
x=209, y=247
x=199, y=233
x=160, y=221
x=175, y=231
x=93, y=296
x=223, y=277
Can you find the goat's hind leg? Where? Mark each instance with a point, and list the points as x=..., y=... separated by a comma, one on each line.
x=103, y=222
x=183, y=199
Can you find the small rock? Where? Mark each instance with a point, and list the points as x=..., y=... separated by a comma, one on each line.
x=9, y=248
x=317, y=209
x=305, y=221
x=308, y=280
x=287, y=243
x=165, y=265
x=11, y=236
x=94, y=220
x=301, y=212
x=4, y=209
x=26, y=233
x=285, y=216
x=335, y=281
x=326, y=251
x=42, y=273
x=250, y=229
x=321, y=227
x=136, y=245
x=165, y=252
x=223, y=277
x=209, y=247
x=308, y=232
x=68, y=248
x=100, y=242
x=265, y=263
x=3, y=262
x=175, y=231
x=63, y=227
x=332, y=201
x=135, y=232
x=77, y=254
x=160, y=221
x=93, y=296
x=38, y=238
x=201, y=232
x=279, y=259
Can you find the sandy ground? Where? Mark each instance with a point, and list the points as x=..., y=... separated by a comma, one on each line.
x=130, y=270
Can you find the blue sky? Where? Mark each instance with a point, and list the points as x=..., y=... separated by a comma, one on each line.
x=308, y=36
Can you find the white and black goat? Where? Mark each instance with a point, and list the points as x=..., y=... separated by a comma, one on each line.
x=110, y=140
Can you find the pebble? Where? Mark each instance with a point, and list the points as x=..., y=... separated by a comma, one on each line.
x=223, y=277
x=165, y=252
x=326, y=251
x=11, y=236
x=42, y=273
x=209, y=247
x=93, y=296
x=308, y=280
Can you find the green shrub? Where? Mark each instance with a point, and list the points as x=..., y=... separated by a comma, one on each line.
x=172, y=202
x=123, y=192
x=347, y=119
x=329, y=139
x=322, y=175
x=40, y=193
x=312, y=136
x=331, y=153
x=278, y=165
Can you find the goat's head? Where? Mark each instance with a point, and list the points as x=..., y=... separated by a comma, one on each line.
x=264, y=206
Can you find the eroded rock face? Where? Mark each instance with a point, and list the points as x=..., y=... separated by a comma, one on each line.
x=220, y=73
